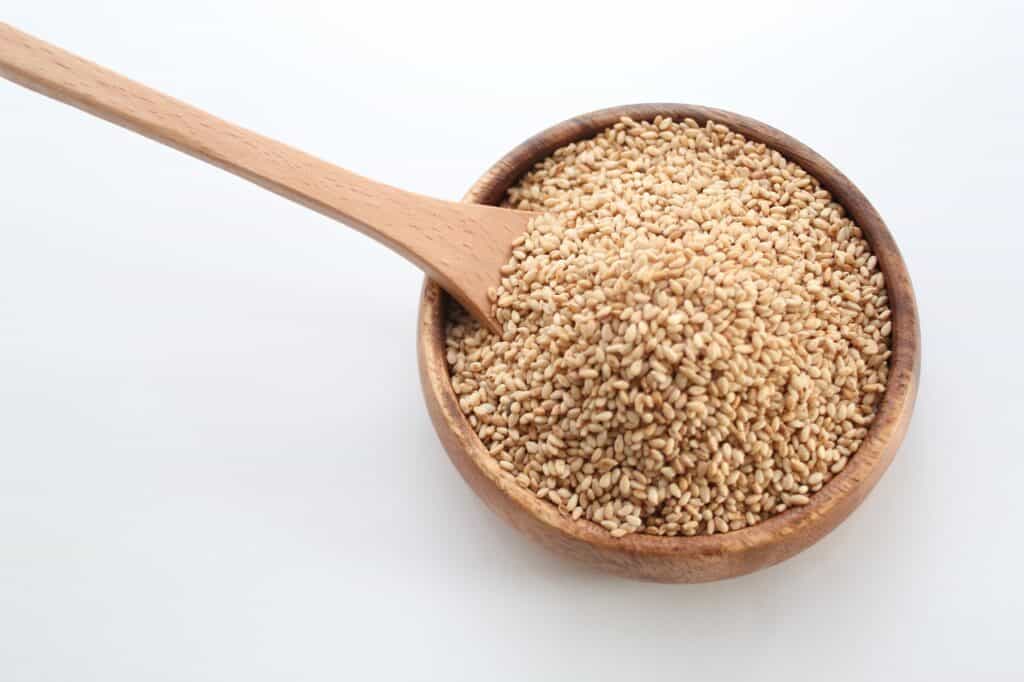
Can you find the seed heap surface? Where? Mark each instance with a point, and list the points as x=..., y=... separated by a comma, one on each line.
x=695, y=336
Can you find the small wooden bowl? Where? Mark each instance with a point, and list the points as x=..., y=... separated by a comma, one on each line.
x=698, y=558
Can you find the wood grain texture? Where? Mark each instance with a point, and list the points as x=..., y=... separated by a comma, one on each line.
x=681, y=559
x=460, y=245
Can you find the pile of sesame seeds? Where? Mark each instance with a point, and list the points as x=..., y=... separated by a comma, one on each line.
x=694, y=335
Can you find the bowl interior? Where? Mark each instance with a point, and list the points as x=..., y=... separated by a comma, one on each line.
x=693, y=557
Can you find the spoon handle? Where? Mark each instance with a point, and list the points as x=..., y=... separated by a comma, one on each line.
x=460, y=246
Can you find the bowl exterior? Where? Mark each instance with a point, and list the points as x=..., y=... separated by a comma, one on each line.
x=680, y=559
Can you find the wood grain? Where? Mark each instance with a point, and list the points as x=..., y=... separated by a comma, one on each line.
x=462, y=246
x=681, y=559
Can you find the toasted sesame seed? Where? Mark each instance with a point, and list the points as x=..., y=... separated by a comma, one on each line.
x=695, y=336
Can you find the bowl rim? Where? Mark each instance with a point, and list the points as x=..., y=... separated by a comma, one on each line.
x=766, y=542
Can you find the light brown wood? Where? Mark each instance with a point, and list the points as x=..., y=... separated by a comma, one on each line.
x=459, y=245
x=681, y=559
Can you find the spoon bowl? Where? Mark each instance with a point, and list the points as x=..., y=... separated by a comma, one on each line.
x=695, y=558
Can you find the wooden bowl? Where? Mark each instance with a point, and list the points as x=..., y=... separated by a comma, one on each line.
x=697, y=558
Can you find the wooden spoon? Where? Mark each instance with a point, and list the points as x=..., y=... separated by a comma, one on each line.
x=460, y=246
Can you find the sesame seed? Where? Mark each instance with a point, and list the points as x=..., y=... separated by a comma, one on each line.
x=695, y=336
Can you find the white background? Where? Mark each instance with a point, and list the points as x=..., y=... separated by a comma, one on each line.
x=214, y=459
